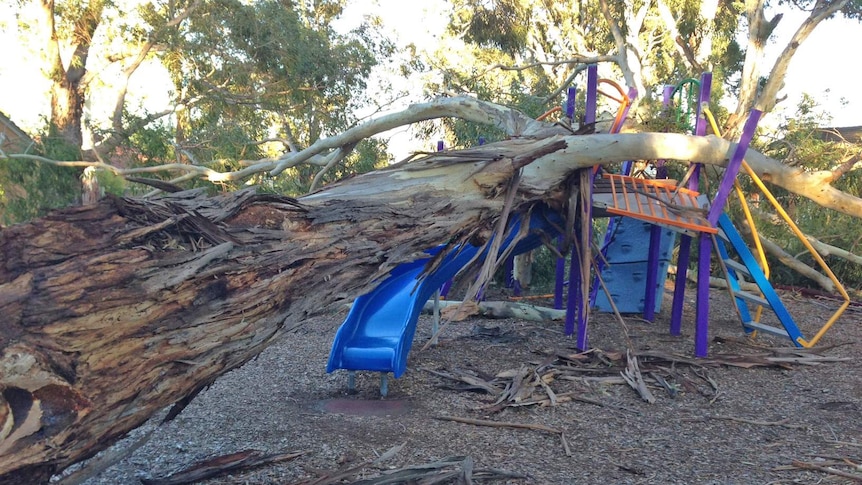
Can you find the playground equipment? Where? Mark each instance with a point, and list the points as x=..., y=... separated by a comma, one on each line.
x=378, y=332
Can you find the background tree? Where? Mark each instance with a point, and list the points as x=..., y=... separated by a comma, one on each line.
x=250, y=80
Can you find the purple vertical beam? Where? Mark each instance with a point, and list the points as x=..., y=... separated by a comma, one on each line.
x=439, y=145
x=652, y=272
x=701, y=332
x=574, y=290
x=679, y=286
x=733, y=166
x=704, y=252
x=700, y=127
x=573, y=303
x=570, y=102
x=705, y=93
x=560, y=275
x=685, y=241
x=560, y=269
x=444, y=290
x=666, y=94
x=701, y=329
x=592, y=94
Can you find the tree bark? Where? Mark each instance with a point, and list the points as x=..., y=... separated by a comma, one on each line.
x=117, y=310
x=68, y=83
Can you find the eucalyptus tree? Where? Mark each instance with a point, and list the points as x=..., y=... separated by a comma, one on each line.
x=247, y=79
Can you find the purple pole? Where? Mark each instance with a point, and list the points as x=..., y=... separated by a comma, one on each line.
x=560, y=275
x=733, y=166
x=439, y=145
x=592, y=94
x=444, y=290
x=560, y=269
x=701, y=329
x=666, y=94
x=679, y=286
x=685, y=241
x=573, y=300
x=652, y=272
x=570, y=103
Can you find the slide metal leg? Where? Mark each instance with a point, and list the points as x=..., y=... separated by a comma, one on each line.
x=384, y=384
x=351, y=381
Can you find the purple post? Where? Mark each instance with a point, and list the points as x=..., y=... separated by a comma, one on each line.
x=570, y=103
x=685, y=241
x=701, y=329
x=573, y=300
x=560, y=275
x=733, y=166
x=444, y=290
x=592, y=94
x=439, y=145
x=652, y=272
x=560, y=270
x=666, y=94
x=679, y=286
x=705, y=93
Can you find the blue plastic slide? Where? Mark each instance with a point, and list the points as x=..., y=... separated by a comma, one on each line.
x=378, y=332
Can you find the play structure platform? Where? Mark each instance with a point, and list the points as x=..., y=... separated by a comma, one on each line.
x=657, y=201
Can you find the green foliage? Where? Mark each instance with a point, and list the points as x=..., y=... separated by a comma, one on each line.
x=267, y=68
x=29, y=189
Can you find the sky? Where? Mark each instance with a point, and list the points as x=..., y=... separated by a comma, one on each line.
x=823, y=67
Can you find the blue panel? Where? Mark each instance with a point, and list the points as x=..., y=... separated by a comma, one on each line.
x=629, y=242
x=626, y=283
x=627, y=253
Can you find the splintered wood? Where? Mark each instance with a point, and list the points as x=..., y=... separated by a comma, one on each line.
x=550, y=382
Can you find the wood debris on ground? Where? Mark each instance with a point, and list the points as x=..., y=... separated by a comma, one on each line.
x=452, y=469
x=540, y=383
x=222, y=465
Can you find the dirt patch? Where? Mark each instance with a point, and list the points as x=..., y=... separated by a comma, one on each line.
x=710, y=424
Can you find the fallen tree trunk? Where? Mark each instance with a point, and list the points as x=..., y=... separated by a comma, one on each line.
x=504, y=309
x=115, y=311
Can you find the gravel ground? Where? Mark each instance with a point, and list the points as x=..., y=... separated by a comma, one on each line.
x=715, y=424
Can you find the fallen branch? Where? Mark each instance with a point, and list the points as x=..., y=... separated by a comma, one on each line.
x=784, y=423
x=499, y=424
x=633, y=377
x=825, y=469
x=503, y=424
x=505, y=309
x=222, y=465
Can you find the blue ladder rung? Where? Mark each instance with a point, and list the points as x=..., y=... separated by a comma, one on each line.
x=766, y=329
x=737, y=266
x=752, y=298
